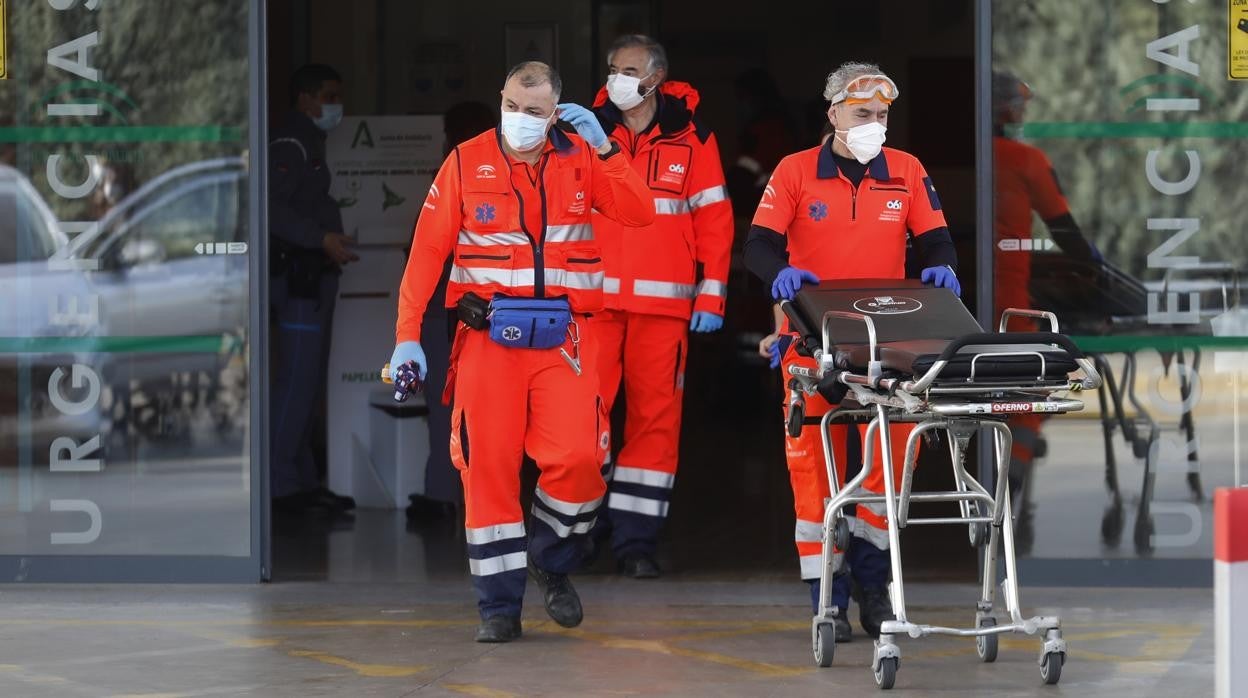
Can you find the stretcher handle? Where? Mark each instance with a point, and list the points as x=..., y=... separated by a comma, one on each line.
x=807, y=339
x=1060, y=340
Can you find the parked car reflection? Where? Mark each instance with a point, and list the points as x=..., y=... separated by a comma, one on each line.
x=167, y=265
x=172, y=276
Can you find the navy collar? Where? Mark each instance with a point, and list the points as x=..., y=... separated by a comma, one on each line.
x=563, y=145
x=877, y=167
x=670, y=116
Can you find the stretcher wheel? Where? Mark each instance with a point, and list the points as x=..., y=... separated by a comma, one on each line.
x=1111, y=524
x=1143, y=535
x=840, y=535
x=825, y=644
x=886, y=673
x=797, y=416
x=1051, y=667
x=978, y=532
x=986, y=645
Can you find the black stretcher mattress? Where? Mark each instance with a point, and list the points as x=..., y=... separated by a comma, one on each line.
x=914, y=324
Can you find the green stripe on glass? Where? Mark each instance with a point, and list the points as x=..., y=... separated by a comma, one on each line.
x=194, y=344
x=121, y=134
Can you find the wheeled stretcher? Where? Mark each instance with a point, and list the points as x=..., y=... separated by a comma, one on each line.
x=896, y=352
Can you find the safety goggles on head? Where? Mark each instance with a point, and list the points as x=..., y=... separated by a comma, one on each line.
x=866, y=87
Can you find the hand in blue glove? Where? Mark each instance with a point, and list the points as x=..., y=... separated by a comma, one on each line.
x=705, y=322
x=775, y=351
x=942, y=277
x=585, y=123
x=1094, y=253
x=408, y=351
x=789, y=280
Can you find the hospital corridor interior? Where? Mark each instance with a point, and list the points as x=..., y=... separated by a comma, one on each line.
x=158, y=551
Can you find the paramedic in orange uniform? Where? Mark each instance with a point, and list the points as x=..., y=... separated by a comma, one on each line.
x=513, y=205
x=842, y=211
x=661, y=283
x=1025, y=182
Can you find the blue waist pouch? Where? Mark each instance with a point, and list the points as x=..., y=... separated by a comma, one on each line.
x=529, y=323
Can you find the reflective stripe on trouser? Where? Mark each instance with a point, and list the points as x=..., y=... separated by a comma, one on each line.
x=647, y=353
x=809, y=479
x=540, y=406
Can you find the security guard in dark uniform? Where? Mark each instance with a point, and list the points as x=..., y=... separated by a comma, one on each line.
x=307, y=249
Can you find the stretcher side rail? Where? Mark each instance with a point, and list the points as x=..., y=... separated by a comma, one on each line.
x=1024, y=312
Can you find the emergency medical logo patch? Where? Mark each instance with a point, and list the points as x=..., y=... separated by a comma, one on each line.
x=818, y=211
x=892, y=211
x=604, y=440
x=577, y=207
x=511, y=333
x=485, y=213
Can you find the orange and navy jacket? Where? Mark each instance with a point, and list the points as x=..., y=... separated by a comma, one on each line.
x=679, y=264
x=476, y=207
x=839, y=231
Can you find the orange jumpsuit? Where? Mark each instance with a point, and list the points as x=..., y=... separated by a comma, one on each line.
x=839, y=231
x=655, y=279
x=522, y=231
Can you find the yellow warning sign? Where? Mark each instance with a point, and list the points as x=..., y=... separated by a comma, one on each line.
x=1237, y=39
x=4, y=44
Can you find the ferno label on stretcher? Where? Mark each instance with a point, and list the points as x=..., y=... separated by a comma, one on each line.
x=1237, y=39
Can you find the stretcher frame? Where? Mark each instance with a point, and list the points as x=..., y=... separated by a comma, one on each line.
x=961, y=411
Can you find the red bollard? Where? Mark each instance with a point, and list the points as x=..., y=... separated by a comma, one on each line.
x=1230, y=591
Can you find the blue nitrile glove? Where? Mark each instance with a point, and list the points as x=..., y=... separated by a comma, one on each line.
x=1095, y=253
x=776, y=354
x=585, y=123
x=705, y=322
x=789, y=280
x=942, y=277
x=408, y=351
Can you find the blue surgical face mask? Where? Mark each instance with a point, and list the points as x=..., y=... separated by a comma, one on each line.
x=331, y=116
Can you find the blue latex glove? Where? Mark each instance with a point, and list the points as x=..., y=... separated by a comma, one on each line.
x=776, y=353
x=789, y=280
x=408, y=351
x=705, y=322
x=585, y=123
x=942, y=277
x=1095, y=253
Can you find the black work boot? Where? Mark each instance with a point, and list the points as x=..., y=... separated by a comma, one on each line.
x=639, y=566
x=498, y=628
x=844, y=633
x=562, y=603
x=873, y=609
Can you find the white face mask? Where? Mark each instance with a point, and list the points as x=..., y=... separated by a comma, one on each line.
x=864, y=140
x=331, y=116
x=524, y=132
x=625, y=90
